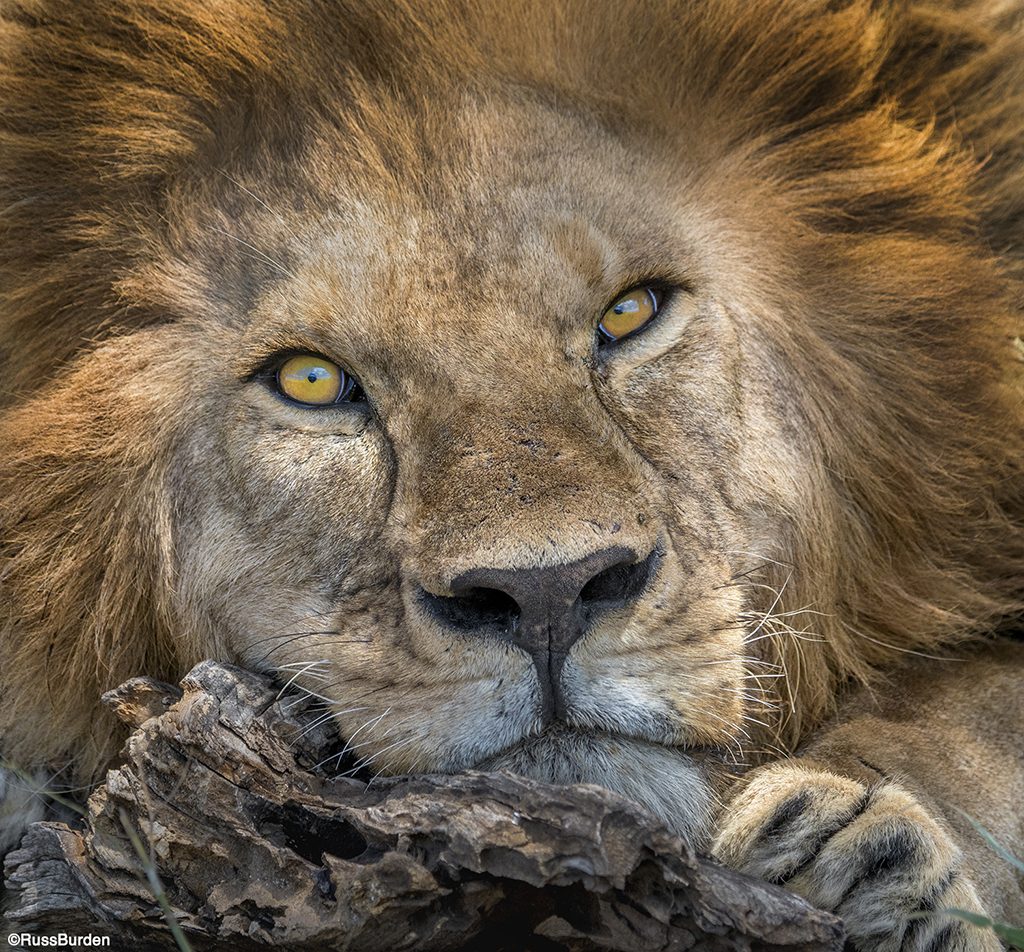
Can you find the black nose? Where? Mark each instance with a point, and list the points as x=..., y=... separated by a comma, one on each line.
x=544, y=610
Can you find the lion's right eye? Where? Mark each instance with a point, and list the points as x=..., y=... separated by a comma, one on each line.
x=630, y=313
x=314, y=381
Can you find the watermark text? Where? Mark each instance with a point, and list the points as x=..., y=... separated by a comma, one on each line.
x=57, y=940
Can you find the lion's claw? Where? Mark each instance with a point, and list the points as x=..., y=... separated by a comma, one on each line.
x=871, y=854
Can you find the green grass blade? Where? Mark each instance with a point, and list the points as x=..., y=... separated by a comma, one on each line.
x=993, y=843
x=1011, y=934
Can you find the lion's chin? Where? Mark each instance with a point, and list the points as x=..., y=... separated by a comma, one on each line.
x=668, y=782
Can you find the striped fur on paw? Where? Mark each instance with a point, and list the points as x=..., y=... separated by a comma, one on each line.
x=872, y=855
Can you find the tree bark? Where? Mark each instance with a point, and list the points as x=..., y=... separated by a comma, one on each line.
x=255, y=848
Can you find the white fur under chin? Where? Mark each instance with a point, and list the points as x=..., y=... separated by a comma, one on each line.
x=665, y=781
x=20, y=805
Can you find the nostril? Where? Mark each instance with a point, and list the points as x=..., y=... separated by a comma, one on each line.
x=619, y=583
x=473, y=609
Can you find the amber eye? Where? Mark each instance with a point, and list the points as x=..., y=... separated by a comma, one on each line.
x=630, y=313
x=313, y=381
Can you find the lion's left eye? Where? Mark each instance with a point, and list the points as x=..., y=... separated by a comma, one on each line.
x=314, y=381
x=630, y=313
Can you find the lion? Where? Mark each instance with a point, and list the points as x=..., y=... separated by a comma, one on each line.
x=616, y=392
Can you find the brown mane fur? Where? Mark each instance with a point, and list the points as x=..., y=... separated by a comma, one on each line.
x=860, y=114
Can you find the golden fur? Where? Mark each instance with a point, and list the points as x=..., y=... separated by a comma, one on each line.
x=824, y=433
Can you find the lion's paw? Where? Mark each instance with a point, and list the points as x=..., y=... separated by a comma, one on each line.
x=871, y=854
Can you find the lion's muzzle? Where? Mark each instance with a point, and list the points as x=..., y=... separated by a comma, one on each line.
x=544, y=611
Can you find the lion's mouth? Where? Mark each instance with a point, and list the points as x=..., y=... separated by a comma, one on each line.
x=560, y=740
x=676, y=784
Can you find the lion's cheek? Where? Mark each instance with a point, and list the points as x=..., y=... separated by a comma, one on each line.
x=284, y=538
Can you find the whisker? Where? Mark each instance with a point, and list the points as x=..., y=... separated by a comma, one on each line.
x=771, y=608
x=372, y=721
x=287, y=634
x=255, y=198
x=365, y=762
x=764, y=558
x=798, y=635
x=292, y=637
x=328, y=715
x=746, y=660
x=910, y=651
x=260, y=256
x=299, y=673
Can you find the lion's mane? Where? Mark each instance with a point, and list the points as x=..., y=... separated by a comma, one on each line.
x=893, y=131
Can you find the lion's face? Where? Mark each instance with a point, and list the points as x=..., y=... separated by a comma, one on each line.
x=633, y=562
x=523, y=548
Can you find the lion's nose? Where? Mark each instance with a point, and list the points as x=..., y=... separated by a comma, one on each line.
x=544, y=610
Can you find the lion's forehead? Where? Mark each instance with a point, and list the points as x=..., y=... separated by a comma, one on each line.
x=509, y=231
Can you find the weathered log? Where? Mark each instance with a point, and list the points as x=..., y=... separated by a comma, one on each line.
x=256, y=848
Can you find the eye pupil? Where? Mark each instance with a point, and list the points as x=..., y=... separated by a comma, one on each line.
x=313, y=377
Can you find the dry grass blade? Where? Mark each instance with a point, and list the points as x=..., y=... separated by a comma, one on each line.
x=154, y=882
